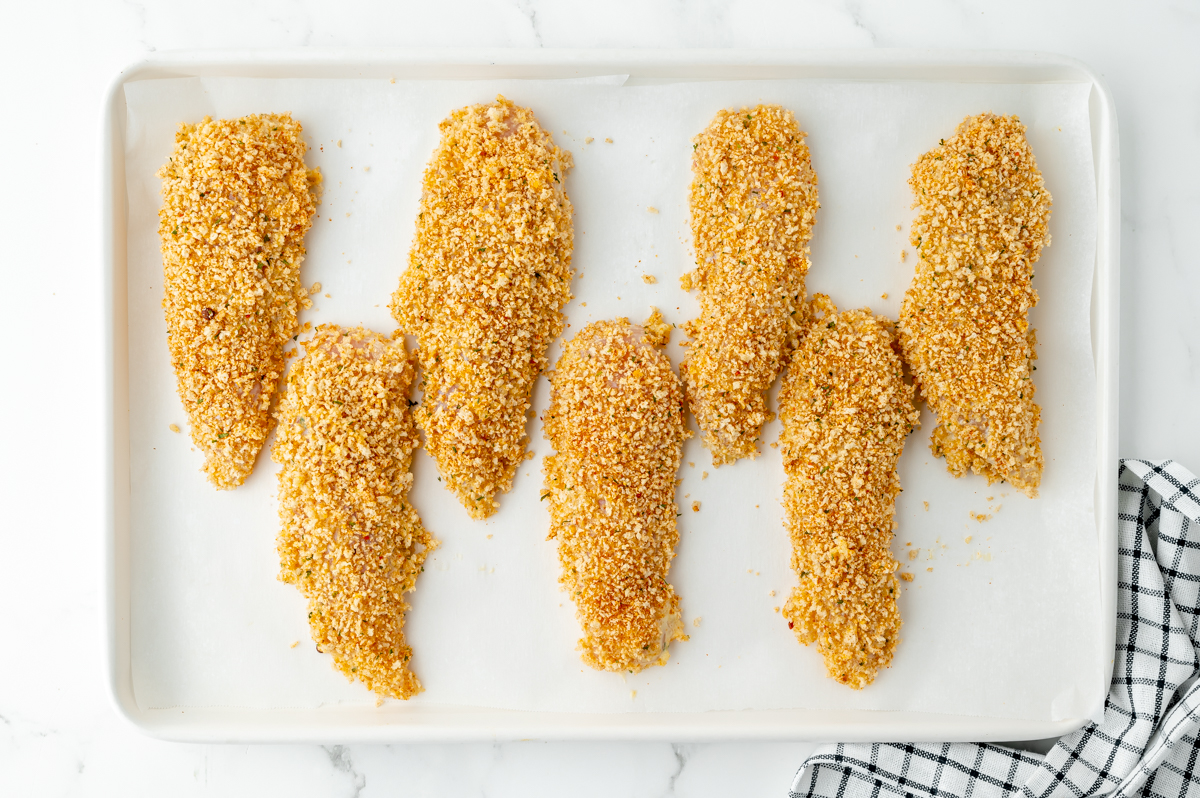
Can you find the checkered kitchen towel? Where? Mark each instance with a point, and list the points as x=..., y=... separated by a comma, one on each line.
x=1145, y=746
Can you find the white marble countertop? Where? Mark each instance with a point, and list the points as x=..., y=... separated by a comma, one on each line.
x=58, y=735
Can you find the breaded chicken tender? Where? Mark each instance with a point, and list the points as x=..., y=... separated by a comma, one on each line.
x=488, y=275
x=349, y=540
x=753, y=204
x=616, y=422
x=846, y=411
x=237, y=201
x=964, y=324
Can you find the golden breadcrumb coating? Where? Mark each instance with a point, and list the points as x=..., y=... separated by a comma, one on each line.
x=964, y=323
x=349, y=539
x=616, y=422
x=846, y=411
x=753, y=204
x=488, y=275
x=237, y=201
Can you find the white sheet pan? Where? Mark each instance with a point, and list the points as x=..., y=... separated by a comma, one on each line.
x=242, y=721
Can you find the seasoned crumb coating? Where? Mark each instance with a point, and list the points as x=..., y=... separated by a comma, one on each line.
x=964, y=323
x=349, y=539
x=753, y=204
x=237, y=201
x=846, y=411
x=488, y=275
x=616, y=422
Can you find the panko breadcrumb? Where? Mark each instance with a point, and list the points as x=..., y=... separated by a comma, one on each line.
x=488, y=275
x=349, y=539
x=964, y=323
x=616, y=422
x=846, y=411
x=753, y=204
x=237, y=201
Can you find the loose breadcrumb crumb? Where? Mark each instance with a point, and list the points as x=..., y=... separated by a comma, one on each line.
x=294, y=644
x=846, y=412
x=696, y=621
x=608, y=141
x=651, y=209
x=588, y=140
x=926, y=506
x=703, y=475
x=488, y=276
x=914, y=553
x=980, y=227
x=906, y=576
x=349, y=539
x=174, y=428
x=695, y=507
x=237, y=201
x=616, y=422
x=753, y=203
x=649, y=279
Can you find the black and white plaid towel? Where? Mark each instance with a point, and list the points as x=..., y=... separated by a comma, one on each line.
x=1146, y=745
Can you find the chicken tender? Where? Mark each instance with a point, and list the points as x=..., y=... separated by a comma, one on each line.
x=753, y=204
x=616, y=422
x=846, y=411
x=488, y=275
x=981, y=224
x=237, y=201
x=349, y=539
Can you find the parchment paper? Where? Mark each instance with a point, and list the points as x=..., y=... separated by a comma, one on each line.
x=1002, y=617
